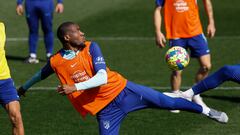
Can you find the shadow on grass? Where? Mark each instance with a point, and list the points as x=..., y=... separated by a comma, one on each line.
x=224, y=98
x=20, y=58
x=16, y=58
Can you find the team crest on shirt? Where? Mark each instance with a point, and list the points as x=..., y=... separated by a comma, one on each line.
x=106, y=124
x=181, y=6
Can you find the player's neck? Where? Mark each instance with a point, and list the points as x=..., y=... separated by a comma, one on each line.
x=75, y=49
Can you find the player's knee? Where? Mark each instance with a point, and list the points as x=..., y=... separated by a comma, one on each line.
x=16, y=118
x=33, y=33
x=206, y=68
x=47, y=29
x=227, y=69
x=172, y=105
x=33, y=30
x=176, y=73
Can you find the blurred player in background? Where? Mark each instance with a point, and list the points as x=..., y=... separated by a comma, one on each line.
x=8, y=93
x=39, y=11
x=183, y=28
x=93, y=88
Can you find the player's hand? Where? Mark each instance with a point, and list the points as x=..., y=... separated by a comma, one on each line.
x=19, y=9
x=21, y=91
x=160, y=40
x=211, y=30
x=59, y=8
x=66, y=89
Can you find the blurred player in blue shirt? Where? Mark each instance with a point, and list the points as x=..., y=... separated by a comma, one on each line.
x=39, y=10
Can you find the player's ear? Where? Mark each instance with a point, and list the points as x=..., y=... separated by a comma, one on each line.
x=66, y=37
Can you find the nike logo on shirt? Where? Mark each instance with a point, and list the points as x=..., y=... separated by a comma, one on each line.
x=73, y=65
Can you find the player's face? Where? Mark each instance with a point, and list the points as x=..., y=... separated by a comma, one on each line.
x=75, y=36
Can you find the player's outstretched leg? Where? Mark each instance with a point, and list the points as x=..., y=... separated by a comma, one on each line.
x=145, y=97
x=226, y=73
x=209, y=112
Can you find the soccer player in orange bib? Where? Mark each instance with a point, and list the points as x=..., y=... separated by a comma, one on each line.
x=183, y=28
x=94, y=89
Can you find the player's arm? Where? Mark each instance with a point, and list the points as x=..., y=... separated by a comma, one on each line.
x=159, y=36
x=19, y=8
x=40, y=75
x=100, y=78
x=59, y=7
x=211, y=25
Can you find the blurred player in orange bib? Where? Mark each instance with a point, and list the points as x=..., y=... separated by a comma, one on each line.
x=183, y=28
x=94, y=89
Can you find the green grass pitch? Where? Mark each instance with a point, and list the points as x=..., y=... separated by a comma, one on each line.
x=124, y=30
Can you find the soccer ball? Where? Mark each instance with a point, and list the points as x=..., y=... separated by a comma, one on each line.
x=177, y=58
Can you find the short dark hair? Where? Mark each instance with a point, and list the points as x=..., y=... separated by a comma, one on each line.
x=62, y=30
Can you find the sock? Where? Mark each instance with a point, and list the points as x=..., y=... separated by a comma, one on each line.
x=48, y=55
x=206, y=110
x=175, y=91
x=188, y=93
x=33, y=55
x=197, y=96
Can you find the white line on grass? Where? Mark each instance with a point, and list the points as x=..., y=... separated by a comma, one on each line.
x=15, y=39
x=92, y=38
x=154, y=87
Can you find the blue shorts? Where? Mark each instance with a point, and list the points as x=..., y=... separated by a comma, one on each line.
x=8, y=92
x=135, y=97
x=197, y=45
